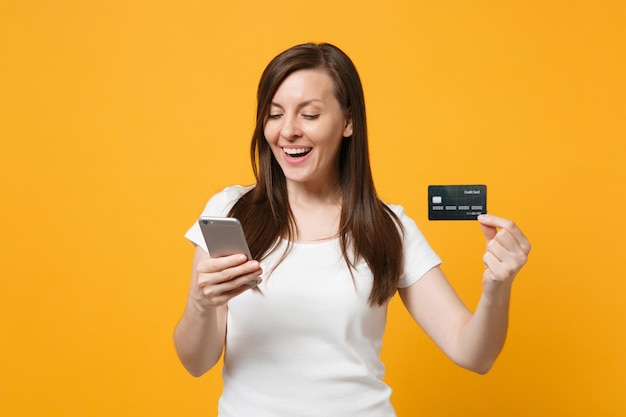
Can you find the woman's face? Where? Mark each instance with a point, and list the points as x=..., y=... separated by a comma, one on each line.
x=305, y=128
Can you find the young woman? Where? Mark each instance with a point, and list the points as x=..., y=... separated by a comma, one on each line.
x=329, y=255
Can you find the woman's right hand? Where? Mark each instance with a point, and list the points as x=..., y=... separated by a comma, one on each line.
x=217, y=280
x=200, y=334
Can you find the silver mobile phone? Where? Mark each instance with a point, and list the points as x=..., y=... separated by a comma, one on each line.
x=224, y=236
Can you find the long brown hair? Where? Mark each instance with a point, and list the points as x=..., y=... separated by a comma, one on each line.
x=368, y=228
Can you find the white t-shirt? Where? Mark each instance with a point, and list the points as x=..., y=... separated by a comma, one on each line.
x=308, y=343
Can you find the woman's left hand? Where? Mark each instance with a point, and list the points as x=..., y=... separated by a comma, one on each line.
x=507, y=249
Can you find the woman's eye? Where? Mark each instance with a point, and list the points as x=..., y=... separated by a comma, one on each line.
x=273, y=116
x=310, y=116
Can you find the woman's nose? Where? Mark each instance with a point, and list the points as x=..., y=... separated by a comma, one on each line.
x=290, y=128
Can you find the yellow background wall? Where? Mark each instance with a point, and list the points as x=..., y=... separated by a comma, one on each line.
x=118, y=119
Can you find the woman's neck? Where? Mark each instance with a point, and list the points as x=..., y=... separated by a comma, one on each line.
x=309, y=195
x=317, y=213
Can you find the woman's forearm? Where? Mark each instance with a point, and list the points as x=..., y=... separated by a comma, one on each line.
x=481, y=339
x=199, y=338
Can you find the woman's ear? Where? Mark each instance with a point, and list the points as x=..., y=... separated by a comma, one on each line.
x=347, y=130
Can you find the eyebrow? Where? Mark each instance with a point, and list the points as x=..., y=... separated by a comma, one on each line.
x=301, y=105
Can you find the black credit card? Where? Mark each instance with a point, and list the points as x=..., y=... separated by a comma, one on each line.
x=456, y=202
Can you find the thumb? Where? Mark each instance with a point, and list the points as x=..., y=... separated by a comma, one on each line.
x=488, y=230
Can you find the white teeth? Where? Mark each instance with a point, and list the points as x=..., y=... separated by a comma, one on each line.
x=296, y=151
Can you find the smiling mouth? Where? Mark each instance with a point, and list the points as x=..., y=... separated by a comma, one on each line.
x=297, y=152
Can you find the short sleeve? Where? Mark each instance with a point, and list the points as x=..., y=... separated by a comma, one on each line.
x=218, y=206
x=419, y=257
